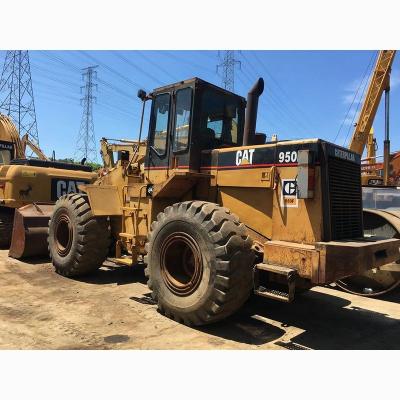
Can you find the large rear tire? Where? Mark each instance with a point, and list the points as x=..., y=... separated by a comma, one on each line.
x=78, y=242
x=6, y=227
x=199, y=262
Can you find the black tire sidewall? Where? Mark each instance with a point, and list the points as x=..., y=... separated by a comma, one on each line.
x=68, y=260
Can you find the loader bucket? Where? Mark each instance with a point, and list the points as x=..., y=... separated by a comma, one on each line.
x=29, y=236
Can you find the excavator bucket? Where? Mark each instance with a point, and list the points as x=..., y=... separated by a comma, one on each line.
x=29, y=237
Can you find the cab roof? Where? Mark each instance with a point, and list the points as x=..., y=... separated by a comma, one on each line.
x=194, y=82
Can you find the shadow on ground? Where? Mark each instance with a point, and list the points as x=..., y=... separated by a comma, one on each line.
x=323, y=318
x=36, y=260
x=121, y=275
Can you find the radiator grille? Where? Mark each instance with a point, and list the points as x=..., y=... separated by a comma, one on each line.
x=345, y=199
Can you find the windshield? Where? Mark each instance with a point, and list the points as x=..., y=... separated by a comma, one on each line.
x=221, y=120
x=5, y=157
x=381, y=197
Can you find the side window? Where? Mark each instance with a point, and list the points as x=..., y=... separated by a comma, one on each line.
x=5, y=157
x=160, y=127
x=216, y=126
x=182, y=119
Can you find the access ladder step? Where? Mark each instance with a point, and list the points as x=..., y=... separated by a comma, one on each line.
x=272, y=294
x=261, y=289
x=126, y=235
x=276, y=269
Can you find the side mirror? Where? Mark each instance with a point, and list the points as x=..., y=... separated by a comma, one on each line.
x=141, y=94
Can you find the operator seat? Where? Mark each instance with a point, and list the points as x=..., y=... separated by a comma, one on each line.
x=207, y=139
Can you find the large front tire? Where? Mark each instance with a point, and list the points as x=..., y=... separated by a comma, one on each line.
x=199, y=262
x=78, y=242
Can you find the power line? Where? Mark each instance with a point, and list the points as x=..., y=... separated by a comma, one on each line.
x=356, y=111
x=159, y=67
x=75, y=68
x=86, y=144
x=186, y=61
x=367, y=73
x=127, y=61
x=273, y=104
x=130, y=81
x=16, y=84
x=289, y=99
x=73, y=86
x=228, y=69
x=274, y=96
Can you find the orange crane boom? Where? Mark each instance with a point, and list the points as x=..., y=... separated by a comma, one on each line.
x=378, y=84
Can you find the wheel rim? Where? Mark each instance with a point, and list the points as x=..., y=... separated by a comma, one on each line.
x=63, y=236
x=181, y=263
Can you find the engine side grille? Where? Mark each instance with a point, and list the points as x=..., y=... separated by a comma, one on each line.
x=345, y=199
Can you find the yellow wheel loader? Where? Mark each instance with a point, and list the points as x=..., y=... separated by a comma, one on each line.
x=215, y=213
x=28, y=190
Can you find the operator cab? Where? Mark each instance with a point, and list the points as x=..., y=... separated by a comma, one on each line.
x=189, y=117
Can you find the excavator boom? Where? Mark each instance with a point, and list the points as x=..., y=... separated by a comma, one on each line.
x=39, y=153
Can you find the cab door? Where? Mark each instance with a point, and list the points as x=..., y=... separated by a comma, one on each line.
x=158, y=152
x=181, y=128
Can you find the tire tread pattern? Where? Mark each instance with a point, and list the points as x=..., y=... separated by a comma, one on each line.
x=93, y=238
x=234, y=257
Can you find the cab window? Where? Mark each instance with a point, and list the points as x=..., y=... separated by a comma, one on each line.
x=160, y=126
x=182, y=119
x=221, y=120
x=5, y=157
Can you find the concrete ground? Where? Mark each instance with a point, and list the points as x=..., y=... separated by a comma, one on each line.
x=112, y=309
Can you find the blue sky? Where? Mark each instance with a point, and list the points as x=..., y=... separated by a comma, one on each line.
x=307, y=93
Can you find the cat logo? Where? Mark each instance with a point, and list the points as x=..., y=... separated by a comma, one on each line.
x=289, y=188
x=59, y=187
x=289, y=193
x=244, y=157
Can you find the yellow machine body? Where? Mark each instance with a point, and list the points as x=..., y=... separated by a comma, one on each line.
x=288, y=230
x=31, y=182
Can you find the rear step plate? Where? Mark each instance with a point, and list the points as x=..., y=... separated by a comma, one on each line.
x=272, y=293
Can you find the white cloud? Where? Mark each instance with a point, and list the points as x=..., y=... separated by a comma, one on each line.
x=351, y=89
x=349, y=97
x=350, y=92
x=349, y=121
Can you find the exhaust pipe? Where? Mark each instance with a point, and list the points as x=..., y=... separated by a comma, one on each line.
x=251, y=112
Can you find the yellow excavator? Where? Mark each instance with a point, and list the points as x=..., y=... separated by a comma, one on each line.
x=28, y=189
x=381, y=201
